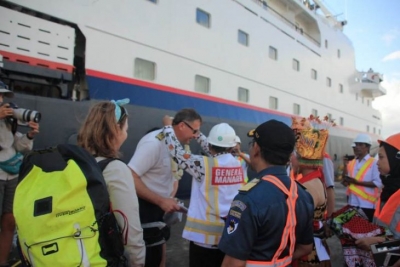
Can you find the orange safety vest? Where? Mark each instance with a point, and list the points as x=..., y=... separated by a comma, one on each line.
x=357, y=189
x=289, y=230
x=389, y=216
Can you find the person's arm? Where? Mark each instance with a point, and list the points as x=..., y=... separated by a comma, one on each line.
x=330, y=194
x=232, y=262
x=351, y=180
x=166, y=204
x=397, y=264
x=203, y=142
x=245, y=157
x=329, y=175
x=366, y=242
x=123, y=197
x=24, y=142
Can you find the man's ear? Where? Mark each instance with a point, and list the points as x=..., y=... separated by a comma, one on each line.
x=256, y=150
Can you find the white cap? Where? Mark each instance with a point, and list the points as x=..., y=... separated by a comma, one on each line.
x=222, y=135
x=4, y=90
x=353, y=145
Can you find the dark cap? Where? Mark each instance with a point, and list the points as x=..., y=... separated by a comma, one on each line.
x=275, y=136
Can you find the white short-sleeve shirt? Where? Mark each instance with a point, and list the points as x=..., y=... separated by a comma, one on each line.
x=372, y=175
x=151, y=161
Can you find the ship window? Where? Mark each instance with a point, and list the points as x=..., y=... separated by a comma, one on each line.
x=314, y=112
x=341, y=121
x=202, y=84
x=338, y=53
x=243, y=38
x=374, y=130
x=379, y=131
x=328, y=82
x=340, y=88
x=273, y=53
x=368, y=102
x=243, y=94
x=203, y=18
x=145, y=69
x=296, y=109
x=367, y=128
x=296, y=65
x=313, y=74
x=329, y=116
x=326, y=43
x=273, y=102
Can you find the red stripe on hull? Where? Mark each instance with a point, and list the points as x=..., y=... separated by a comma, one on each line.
x=36, y=61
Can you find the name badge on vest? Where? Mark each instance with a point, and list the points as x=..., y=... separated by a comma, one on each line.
x=227, y=175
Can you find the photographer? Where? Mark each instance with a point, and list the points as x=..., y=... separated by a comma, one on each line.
x=11, y=144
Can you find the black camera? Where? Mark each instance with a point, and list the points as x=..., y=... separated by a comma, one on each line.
x=25, y=115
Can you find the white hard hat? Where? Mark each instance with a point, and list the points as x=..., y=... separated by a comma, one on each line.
x=222, y=135
x=237, y=139
x=363, y=138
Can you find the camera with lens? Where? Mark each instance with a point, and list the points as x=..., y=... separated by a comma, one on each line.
x=25, y=115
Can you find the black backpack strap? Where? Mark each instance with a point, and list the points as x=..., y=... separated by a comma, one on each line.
x=104, y=162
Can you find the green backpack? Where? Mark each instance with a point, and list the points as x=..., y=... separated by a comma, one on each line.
x=62, y=211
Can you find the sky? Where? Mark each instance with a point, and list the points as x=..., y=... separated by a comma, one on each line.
x=373, y=26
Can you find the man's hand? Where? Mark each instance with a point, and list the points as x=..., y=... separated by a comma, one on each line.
x=167, y=120
x=169, y=205
x=5, y=111
x=34, y=129
x=350, y=180
x=366, y=242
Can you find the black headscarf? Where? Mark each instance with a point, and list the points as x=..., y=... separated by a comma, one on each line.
x=391, y=181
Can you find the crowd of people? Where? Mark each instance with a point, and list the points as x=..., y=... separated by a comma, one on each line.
x=276, y=218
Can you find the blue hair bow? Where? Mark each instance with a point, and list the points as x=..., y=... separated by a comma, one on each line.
x=118, y=104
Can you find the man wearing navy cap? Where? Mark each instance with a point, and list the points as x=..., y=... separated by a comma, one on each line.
x=270, y=222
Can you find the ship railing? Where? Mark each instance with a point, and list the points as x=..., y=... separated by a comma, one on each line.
x=264, y=5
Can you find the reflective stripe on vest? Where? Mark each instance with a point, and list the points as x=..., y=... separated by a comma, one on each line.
x=212, y=227
x=243, y=163
x=357, y=189
x=289, y=232
x=390, y=215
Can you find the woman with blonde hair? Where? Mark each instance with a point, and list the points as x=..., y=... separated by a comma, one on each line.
x=102, y=134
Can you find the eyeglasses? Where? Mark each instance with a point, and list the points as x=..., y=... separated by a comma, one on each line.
x=195, y=131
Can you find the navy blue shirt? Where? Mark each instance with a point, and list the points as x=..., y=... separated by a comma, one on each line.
x=257, y=218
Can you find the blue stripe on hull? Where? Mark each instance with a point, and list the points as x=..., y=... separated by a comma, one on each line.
x=143, y=96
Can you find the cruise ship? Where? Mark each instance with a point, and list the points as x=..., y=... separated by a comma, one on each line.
x=237, y=61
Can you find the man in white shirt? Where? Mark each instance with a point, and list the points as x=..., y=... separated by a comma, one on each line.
x=151, y=169
x=362, y=178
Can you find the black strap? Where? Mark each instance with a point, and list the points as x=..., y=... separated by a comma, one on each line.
x=104, y=162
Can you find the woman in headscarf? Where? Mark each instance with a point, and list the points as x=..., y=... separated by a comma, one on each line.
x=387, y=213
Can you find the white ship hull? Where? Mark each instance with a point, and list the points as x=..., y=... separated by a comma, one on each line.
x=113, y=34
